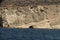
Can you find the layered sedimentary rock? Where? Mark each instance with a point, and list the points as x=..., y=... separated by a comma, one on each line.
x=30, y=14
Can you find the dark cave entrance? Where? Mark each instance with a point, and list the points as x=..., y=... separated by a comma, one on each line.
x=30, y=26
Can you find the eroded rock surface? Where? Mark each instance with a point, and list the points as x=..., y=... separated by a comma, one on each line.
x=39, y=16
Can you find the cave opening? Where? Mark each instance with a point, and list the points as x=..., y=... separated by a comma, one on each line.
x=30, y=26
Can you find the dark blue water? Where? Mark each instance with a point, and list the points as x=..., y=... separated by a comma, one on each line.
x=29, y=34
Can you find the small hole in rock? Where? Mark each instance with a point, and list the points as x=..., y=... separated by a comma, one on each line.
x=41, y=10
x=31, y=7
x=30, y=26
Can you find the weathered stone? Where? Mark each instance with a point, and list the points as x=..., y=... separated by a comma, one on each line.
x=14, y=17
x=19, y=18
x=23, y=14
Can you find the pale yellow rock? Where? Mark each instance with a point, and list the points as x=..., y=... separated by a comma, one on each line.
x=56, y=27
x=41, y=16
x=11, y=18
x=55, y=21
x=43, y=24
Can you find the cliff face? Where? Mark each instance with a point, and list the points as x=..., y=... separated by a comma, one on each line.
x=20, y=14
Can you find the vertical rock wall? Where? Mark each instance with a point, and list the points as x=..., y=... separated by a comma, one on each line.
x=35, y=16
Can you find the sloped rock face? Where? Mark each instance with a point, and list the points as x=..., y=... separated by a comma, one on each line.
x=35, y=16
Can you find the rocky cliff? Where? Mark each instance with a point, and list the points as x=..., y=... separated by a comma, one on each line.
x=30, y=14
